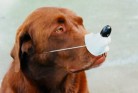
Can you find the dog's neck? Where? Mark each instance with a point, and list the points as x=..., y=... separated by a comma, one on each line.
x=62, y=85
x=50, y=79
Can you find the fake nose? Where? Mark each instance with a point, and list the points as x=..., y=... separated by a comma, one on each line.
x=106, y=31
x=97, y=44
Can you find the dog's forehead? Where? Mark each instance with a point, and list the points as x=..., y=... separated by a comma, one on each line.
x=53, y=12
x=47, y=15
x=39, y=23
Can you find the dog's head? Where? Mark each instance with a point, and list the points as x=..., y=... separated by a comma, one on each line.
x=49, y=29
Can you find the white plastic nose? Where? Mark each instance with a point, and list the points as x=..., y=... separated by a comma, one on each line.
x=96, y=44
x=107, y=49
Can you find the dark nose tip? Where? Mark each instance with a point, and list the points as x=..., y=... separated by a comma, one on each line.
x=106, y=31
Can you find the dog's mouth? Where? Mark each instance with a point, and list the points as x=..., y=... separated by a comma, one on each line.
x=95, y=63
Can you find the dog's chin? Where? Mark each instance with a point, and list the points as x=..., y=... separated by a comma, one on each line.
x=93, y=64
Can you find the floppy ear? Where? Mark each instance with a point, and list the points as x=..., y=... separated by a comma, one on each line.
x=23, y=45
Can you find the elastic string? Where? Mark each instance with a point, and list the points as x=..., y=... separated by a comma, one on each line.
x=58, y=50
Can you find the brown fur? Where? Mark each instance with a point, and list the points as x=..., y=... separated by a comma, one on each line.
x=33, y=70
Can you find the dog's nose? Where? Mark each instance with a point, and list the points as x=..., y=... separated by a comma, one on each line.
x=106, y=31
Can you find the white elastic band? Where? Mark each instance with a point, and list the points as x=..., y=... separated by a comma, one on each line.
x=65, y=49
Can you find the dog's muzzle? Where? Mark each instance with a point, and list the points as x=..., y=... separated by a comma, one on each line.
x=96, y=44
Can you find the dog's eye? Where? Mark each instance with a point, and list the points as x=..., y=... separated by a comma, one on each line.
x=60, y=29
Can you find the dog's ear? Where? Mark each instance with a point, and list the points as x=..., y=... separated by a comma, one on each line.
x=23, y=46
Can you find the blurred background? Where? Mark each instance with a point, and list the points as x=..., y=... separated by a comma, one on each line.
x=119, y=74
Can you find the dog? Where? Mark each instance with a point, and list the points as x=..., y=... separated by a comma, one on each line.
x=35, y=69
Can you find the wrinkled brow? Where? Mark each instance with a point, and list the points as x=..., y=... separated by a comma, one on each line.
x=79, y=20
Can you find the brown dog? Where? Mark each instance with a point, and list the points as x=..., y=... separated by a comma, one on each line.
x=34, y=69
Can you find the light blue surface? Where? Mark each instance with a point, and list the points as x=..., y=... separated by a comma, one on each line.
x=119, y=74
